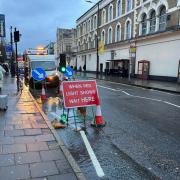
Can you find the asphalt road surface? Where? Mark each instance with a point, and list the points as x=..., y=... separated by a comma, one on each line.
x=141, y=139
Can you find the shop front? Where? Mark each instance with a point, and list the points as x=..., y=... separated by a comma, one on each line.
x=117, y=67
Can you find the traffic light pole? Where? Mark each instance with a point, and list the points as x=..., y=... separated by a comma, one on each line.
x=12, y=54
x=17, y=70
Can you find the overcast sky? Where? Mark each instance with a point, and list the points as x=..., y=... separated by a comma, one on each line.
x=37, y=20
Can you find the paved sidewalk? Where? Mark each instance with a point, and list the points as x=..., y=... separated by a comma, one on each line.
x=28, y=147
x=149, y=84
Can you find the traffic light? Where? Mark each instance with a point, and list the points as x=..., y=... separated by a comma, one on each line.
x=62, y=69
x=16, y=36
x=62, y=64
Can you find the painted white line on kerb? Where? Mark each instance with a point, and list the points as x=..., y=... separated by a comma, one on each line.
x=94, y=160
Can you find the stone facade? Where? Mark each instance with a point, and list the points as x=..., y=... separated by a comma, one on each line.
x=147, y=19
x=65, y=43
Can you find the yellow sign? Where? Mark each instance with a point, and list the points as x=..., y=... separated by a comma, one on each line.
x=101, y=47
x=133, y=49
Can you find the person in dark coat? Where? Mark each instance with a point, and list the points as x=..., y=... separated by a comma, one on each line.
x=84, y=67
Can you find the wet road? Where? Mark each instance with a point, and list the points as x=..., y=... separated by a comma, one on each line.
x=141, y=138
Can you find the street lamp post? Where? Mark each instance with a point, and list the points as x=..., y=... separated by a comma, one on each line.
x=97, y=37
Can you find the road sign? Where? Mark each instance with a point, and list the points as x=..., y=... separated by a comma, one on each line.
x=80, y=93
x=8, y=48
x=69, y=72
x=39, y=74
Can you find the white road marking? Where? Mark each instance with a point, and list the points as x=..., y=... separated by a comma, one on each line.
x=171, y=104
x=94, y=160
x=108, y=88
x=142, y=97
x=143, y=88
x=125, y=93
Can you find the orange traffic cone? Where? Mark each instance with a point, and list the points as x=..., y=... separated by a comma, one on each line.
x=43, y=94
x=98, y=122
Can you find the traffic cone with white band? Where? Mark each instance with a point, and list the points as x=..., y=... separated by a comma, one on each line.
x=43, y=93
x=98, y=121
x=60, y=88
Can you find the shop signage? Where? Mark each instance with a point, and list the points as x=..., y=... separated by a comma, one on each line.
x=80, y=93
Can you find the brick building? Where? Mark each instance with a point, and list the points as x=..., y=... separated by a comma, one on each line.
x=140, y=35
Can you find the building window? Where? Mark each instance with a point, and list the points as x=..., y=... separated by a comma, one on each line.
x=89, y=43
x=95, y=22
x=84, y=28
x=110, y=14
x=68, y=48
x=95, y=40
x=128, y=5
x=152, y=22
x=119, y=8
x=118, y=33
x=89, y=25
x=162, y=18
x=143, y=1
x=110, y=35
x=103, y=36
x=144, y=24
x=103, y=16
x=128, y=30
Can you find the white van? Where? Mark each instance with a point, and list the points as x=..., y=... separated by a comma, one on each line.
x=47, y=63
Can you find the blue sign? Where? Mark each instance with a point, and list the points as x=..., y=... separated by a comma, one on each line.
x=9, y=48
x=69, y=72
x=39, y=74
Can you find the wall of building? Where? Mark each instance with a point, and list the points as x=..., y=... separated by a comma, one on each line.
x=163, y=54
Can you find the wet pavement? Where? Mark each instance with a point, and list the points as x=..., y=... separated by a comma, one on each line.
x=28, y=148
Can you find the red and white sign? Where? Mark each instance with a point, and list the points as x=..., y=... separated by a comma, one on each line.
x=80, y=93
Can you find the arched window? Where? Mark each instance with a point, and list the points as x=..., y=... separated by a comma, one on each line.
x=128, y=5
x=95, y=22
x=84, y=28
x=89, y=25
x=79, y=45
x=162, y=18
x=110, y=14
x=103, y=36
x=110, y=35
x=81, y=30
x=144, y=24
x=128, y=30
x=119, y=8
x=95, y=40
x=118, y=33
x=89, y=43
x=152, y=21
x=103, y=16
